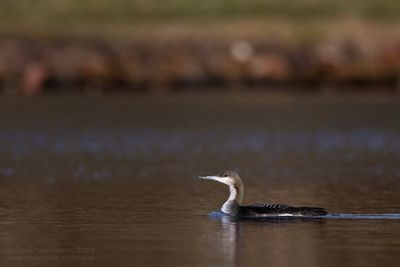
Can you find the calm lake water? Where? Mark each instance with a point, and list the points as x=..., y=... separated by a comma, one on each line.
x=111, y=181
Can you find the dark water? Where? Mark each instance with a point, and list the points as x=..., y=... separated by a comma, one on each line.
x=111, y=181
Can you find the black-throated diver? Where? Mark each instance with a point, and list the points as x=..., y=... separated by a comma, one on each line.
x=233, y=206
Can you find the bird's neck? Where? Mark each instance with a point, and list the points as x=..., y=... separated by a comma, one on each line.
x=231, y=206
x=236, y=193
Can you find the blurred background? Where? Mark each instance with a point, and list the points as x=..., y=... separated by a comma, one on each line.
x=106, y=46
x=131, y=100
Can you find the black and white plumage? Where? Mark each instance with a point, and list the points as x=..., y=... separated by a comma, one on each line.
x=279, y=210
x=233, y=206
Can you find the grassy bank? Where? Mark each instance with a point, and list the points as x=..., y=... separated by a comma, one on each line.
x=149, y=44
x=153, y=10
x=124, y=17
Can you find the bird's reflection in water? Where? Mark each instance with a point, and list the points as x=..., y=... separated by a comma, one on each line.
x=233, y=232
x=230, y=233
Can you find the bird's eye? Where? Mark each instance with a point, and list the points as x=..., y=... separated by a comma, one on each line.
x=225, y=175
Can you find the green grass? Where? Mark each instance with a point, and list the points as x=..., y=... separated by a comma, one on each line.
x=113, y=18
x=59, y=11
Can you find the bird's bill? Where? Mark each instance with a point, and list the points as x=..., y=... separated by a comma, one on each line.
x=212, y=177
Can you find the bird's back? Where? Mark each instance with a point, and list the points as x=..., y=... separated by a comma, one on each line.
x=268, y=209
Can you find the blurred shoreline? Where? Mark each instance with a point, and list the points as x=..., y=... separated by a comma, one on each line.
x=350, y=55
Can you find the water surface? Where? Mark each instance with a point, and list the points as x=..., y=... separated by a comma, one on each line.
x=112, y=180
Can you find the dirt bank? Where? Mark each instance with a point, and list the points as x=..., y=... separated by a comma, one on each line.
x=31, y=66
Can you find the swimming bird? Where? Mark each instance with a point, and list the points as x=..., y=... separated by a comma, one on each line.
x=233, y=206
